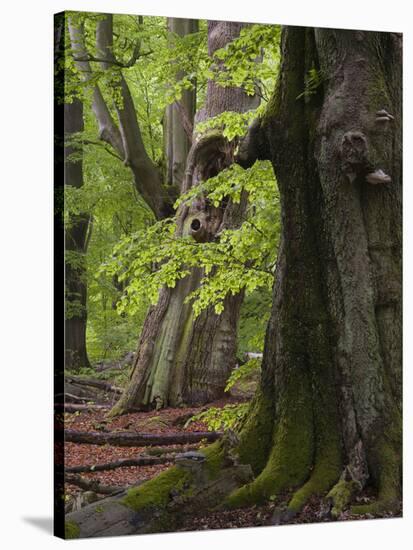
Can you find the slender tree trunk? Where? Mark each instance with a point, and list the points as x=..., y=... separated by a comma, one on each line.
x=179, y=116
x=329, y=414
x=75, y=243
x=181, y=359
x=125, y=138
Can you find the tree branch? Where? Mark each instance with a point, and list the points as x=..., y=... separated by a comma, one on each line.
x=135, y=56
x=108, y=130
x=146, y=174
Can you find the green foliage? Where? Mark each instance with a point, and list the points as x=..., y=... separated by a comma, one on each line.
x=225, y=418
x=233, y=125
x=230, y=416
x=109, y=197
x=129, y=256
x=313, y=80
x=255, y=313
x=242, y=372
x=241, y=259
x=250, y=61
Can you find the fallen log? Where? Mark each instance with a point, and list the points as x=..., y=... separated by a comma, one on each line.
x=99, y=384
x=122, y=463
x=75, y=407
x=71, y=398
x=160, y=504
x=128, y=439
x=183, y=447
x=93, y=485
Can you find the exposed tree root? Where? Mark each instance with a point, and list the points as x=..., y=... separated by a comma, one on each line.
x=341, y=495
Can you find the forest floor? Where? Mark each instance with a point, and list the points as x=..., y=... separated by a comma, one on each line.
x=166, y=421
x=170, y=421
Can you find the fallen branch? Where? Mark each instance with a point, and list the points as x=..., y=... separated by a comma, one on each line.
x=93, y=485
x=71, y=398
x=99, y=384
x=127, y=439
x=182, y=448
x=122, y=463
x=74, y=407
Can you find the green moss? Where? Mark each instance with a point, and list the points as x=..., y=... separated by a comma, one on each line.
x=324, y=475
x=388, y=481
x=292, y=452
x=214, y=459
x=72, y=530
x=341, y=494
x=256, y=433
x=385, y=462
x=328, y=456
x=156, y=492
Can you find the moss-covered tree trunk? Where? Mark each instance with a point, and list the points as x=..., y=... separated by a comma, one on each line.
x=329, y=414
x=181, y=359
x=76, y=239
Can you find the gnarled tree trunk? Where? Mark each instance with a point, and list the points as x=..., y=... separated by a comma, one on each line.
x=181, y=359
x=329, y=414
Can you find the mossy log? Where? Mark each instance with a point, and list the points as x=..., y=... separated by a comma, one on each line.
x=160, y=504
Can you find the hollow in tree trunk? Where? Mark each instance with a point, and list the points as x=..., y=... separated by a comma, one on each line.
x=180, y=359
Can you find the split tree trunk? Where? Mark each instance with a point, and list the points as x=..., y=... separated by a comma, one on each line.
x=182, y=360
x=76, y=238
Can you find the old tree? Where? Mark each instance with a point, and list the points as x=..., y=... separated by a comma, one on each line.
x=327, y=417
x=179, y=359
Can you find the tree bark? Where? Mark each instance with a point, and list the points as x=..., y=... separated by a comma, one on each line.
x=328, y=417
x=75, y=242
x=126, y=139
x=179, y=116
x=180, y=359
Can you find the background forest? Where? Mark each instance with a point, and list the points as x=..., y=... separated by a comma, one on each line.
x=127, y=255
